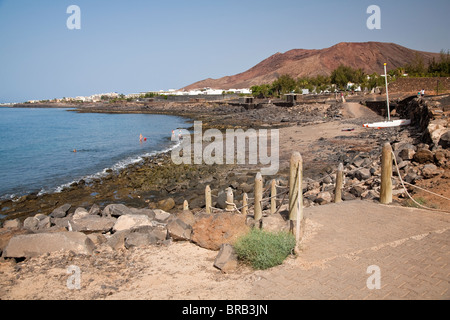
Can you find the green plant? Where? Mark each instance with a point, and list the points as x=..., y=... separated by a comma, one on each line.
x=421, y=201
x=263, y=250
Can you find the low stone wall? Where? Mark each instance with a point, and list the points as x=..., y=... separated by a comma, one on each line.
x=414, y=85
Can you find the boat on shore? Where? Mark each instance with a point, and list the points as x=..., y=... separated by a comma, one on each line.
x=388, y=124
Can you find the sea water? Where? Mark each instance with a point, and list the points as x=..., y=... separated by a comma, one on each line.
x=37, y=146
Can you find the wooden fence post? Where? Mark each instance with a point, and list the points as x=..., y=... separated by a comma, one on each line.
x=296, y=159
x=208, y=200
x=230, y=200
x=273, y=196
x=339, y=181
x=244, y=204
x=258, y=196
x=386, y=174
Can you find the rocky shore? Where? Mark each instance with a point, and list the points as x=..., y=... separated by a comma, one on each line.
x=145, y=204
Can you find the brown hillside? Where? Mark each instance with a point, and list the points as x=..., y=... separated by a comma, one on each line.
x=369, y=56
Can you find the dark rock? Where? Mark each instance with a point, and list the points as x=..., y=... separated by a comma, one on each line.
x=166, y=204
x=95, y=210
x=445, y=140
x=187, y=217
x=429, y=171
x=61, y=212
x=226, y=260
x=179, y=231
x=423, y=156
x=362, y=174
x=347, y=196
x=116, y=210
x=407, y=152
x=137, y=239
x=161, y=215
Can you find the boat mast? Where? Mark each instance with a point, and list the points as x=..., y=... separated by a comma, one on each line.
x=387, y=93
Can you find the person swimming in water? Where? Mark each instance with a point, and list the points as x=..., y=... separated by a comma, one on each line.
x=141, y=137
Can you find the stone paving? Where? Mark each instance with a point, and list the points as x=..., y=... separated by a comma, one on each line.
x=363, y=250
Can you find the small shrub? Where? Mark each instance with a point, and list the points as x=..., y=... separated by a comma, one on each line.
x=421, y=201
x=263, y=250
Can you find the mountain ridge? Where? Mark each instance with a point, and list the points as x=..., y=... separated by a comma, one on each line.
x=369, y=56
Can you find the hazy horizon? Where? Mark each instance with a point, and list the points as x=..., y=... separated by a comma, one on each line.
x=137, y=46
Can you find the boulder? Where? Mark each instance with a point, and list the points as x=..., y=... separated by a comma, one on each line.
x=91, y=224
x=245, y=187
x=12, y=224
x=347, y=196
x=95, y=210
x=179, y=231
x=44, y=221
x=226, y=260
x=138, y=239
x=31, y=223
x=31, y=245
x=362, y=174
x=444, y=141
x=7, y=234
x=323, y=198
x=357, y=191
x=126, y=222
x=160, y=232
x=221, y=200
x=97, y=238
x=211, y=231
x=145, y=211
x=407, y=152
x=61, y=212
x=116, y=210
x=166, y=204
x=423, y=156
x=60, y=222
x=441, y=157
x=187, y=217
x=39, y=222
x=161, y=215
x=117, y=240
x=275, y=223
x=429, y=171
x=80, y=213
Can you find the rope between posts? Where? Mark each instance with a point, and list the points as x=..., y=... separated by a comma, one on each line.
x=406, y=191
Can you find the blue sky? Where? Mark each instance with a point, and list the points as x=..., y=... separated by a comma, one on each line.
x=136, y=45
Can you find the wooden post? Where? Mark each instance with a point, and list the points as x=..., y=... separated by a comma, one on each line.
x=299, y=204
x=208, y=200
x=244, y=204
x=258, y=196
x=273, y=196
x=185, y=205
x=386, y=174
x=295, y=162
x=230, y=200
x=339, y=181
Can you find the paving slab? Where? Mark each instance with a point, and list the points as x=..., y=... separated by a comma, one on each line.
x=343, y=242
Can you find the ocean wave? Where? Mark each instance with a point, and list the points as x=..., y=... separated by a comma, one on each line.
x=122, y=164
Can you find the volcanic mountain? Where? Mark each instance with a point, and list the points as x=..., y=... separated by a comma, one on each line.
x=369, y=56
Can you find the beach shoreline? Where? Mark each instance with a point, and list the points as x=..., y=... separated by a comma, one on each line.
x=302, y=128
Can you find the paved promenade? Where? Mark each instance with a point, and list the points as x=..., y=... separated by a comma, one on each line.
x=364, y=250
